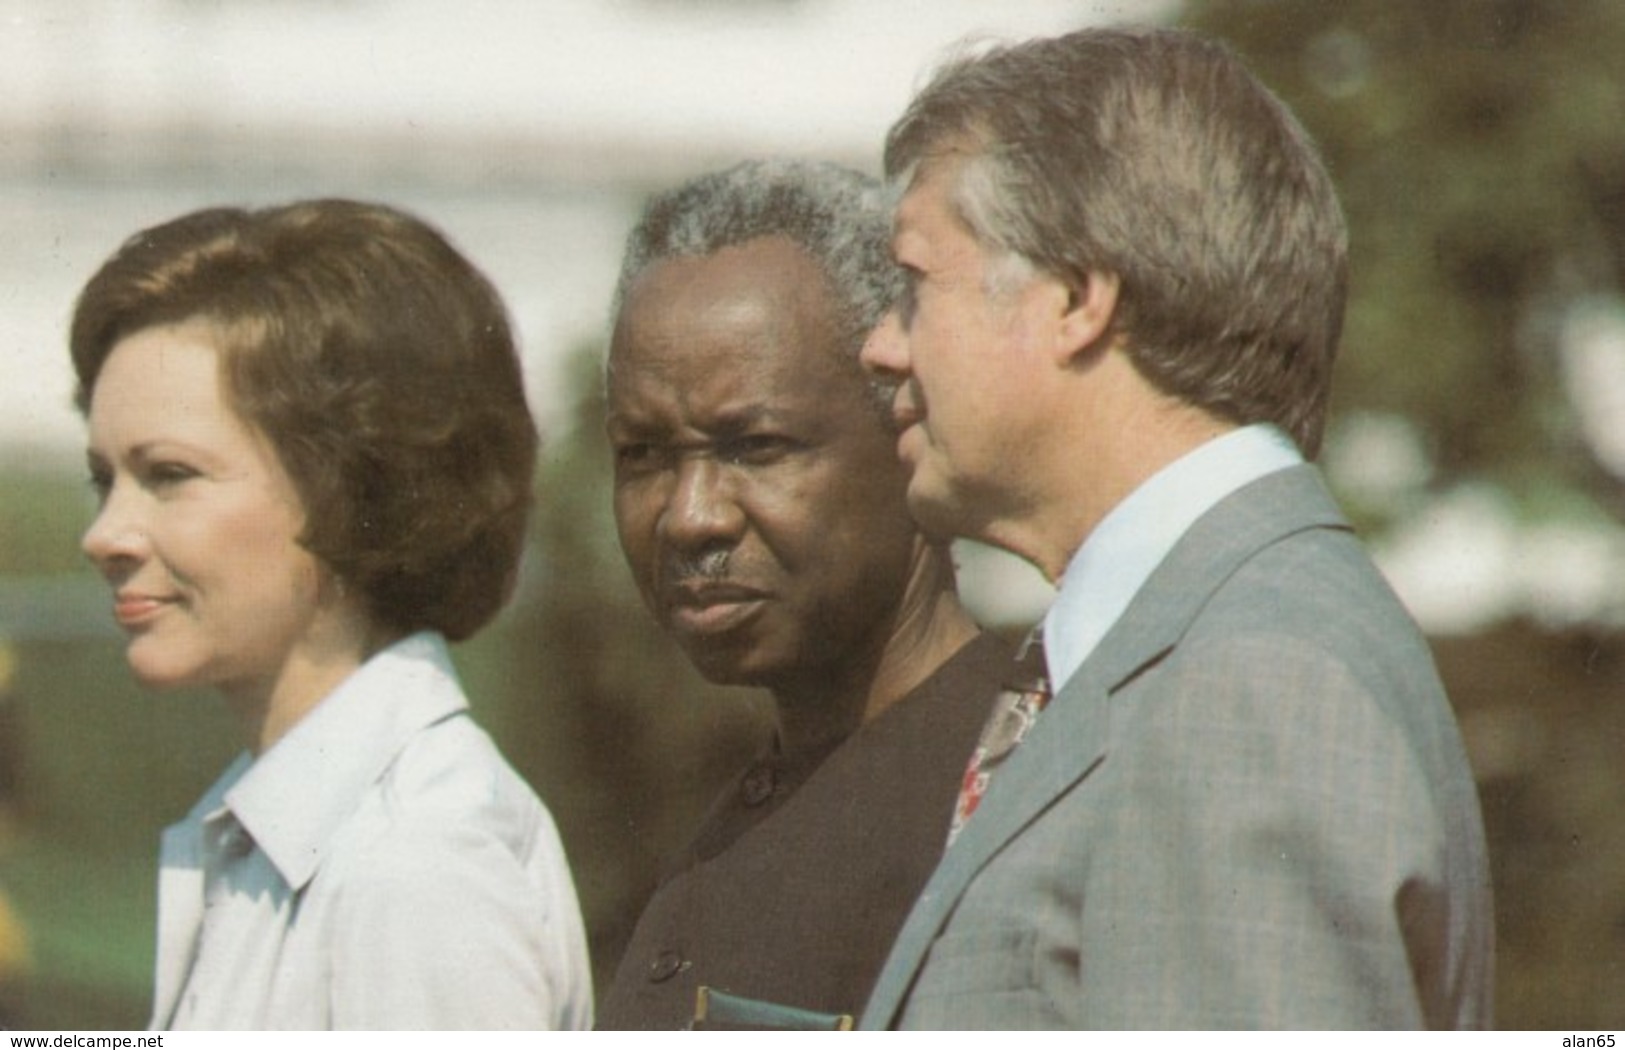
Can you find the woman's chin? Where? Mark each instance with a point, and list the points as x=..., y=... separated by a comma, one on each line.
x=154, y=671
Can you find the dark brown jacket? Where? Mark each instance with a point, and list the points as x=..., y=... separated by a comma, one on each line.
x=804, y=871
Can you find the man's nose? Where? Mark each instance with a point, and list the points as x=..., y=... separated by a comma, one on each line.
x=885, y=352
x=703, y=507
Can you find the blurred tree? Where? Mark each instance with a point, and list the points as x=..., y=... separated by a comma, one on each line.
x=14, y=959
x=1479, y=147
x=14, y=954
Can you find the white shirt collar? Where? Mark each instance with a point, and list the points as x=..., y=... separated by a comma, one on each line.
x=1130, y=542
x=295, y=796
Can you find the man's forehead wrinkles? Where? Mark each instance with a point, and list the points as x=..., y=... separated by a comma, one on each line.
x=676, y=413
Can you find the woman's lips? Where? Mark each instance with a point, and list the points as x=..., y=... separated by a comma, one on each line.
x=133, y=610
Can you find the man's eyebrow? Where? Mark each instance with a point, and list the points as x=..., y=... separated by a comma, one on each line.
x=729, y=421
x=742, y=418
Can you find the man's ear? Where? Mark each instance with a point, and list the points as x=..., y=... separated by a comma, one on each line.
x=1090, y=308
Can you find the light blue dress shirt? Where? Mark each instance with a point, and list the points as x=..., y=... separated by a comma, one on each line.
x=380, y=867
x=1130, y=542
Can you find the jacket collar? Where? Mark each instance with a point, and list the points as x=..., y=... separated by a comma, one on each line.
x=1049, y=762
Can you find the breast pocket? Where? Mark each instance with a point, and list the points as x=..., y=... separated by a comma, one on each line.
x=981, y=979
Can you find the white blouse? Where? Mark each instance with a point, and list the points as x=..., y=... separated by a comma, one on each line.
x=380, y=867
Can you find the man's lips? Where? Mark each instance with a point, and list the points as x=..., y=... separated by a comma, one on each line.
x=711, y=608
x=133, y=610
x=905, y=408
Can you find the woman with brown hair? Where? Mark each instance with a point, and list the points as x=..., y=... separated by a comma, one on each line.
x=313, y=454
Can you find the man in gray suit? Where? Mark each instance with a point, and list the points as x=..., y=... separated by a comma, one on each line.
x=1247, y=804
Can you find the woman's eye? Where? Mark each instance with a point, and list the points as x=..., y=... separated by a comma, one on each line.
x=165, y=474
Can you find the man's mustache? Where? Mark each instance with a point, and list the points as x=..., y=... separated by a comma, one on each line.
x=707, y=565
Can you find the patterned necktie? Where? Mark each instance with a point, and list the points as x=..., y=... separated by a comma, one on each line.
x=1024, y=695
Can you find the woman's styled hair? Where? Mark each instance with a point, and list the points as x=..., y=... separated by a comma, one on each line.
x=380, y=365
x=1156, y=156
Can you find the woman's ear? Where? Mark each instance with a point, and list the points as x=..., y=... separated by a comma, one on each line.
x=1089, y=311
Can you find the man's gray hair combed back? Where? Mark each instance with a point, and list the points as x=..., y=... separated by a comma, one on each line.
x=839, y=217
x=1157, y=156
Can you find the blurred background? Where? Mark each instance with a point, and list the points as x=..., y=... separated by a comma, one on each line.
x=1478, y=434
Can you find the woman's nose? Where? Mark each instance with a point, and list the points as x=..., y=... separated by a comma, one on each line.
x=115, y=535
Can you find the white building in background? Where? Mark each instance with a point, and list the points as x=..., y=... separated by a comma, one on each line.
x=528, y=130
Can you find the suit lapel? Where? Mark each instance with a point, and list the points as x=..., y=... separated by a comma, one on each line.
x=1072, y=735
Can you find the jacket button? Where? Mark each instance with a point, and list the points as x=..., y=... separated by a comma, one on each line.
x=757, y=786
x=665, y=966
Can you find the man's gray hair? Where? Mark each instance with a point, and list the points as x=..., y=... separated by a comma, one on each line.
x=839, y=217
x=1157, y=156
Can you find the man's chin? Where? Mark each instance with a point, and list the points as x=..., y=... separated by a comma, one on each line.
x=722, y=665
x=933, y=510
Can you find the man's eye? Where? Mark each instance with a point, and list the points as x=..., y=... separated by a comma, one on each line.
x=754, y=449
x=909, y=300
x=634, y=455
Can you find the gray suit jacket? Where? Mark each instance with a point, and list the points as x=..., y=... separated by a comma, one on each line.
x=1249, y=808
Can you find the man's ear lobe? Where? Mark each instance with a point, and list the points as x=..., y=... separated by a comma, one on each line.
x=1091, y=305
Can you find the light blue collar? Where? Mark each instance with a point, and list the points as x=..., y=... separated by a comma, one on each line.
x=1130, y=542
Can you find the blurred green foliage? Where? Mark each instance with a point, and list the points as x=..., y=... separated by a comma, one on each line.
x=41, y=519
x=1479, y=149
